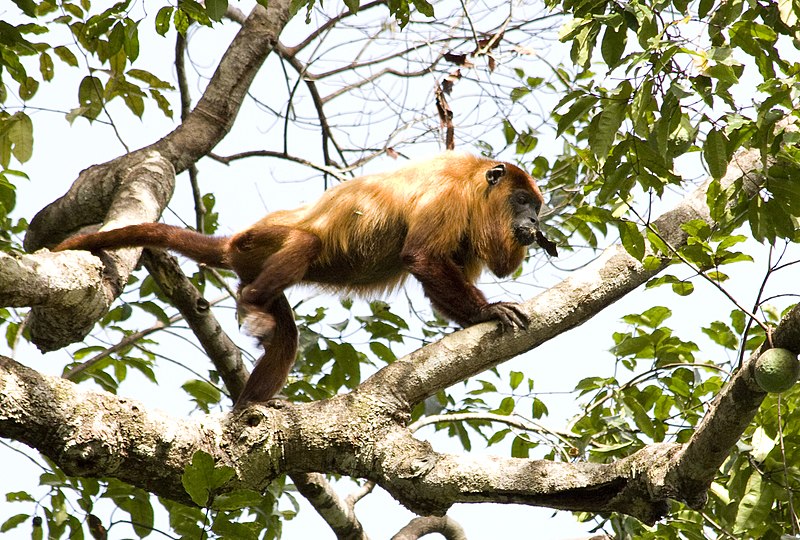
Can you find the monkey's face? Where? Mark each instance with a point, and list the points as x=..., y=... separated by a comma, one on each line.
x=525, y=216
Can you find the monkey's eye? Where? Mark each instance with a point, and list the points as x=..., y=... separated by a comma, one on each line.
x=522, y=199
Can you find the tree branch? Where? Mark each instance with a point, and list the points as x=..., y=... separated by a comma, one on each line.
x=136, y=187
x=223, y=353
x=419, y=527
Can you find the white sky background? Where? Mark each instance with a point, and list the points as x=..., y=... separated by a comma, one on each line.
x=249, y=188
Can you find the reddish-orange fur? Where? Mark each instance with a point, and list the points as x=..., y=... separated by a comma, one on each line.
x=439, y=220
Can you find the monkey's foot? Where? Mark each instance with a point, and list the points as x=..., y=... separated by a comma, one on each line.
x=509, y=314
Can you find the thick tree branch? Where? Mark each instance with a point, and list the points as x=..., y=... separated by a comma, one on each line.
x=197, y=135
x=98, y=435
x=136, y=187
x=728, y=416
x=338, y=514
x=360, y=435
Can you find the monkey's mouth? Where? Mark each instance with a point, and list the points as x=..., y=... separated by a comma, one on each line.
x=525, y=235
x=528, y=235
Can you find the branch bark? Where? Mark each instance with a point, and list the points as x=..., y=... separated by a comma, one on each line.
x=362, y=434
x=136, y=187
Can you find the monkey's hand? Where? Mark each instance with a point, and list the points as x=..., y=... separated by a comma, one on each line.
x=509, y=314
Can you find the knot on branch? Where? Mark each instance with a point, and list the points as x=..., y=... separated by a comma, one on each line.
x=88, y=458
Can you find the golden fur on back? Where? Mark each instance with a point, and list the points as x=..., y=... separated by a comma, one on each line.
x=364, y=223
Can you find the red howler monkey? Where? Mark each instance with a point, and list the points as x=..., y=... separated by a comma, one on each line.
x=441, y=220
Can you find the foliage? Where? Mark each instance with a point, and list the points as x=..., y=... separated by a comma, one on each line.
x=654, y=97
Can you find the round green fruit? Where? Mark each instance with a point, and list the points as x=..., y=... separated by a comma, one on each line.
x=777, y=370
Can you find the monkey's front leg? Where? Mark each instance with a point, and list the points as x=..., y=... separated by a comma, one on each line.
x=455, y=297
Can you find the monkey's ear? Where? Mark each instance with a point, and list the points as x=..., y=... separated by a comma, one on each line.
x=494, y=174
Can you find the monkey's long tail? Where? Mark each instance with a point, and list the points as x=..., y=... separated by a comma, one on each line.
x=199, y=247
x=273, y=368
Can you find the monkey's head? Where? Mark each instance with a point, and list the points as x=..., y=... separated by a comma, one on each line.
x=523, y=198
x=525, y=201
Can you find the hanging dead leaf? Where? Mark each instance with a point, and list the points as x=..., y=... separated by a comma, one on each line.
x=458, y=59
x=445, y=118
x=451, y=80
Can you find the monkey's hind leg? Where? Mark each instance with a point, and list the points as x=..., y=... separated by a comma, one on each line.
x=280, y=350
x=269, y=316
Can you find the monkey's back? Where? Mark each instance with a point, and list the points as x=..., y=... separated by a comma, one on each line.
x=365, y=223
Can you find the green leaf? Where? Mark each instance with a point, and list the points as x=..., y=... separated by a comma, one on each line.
x=382, y=351
x=653, y=317
x=21, y=137
x=578, y=109
x=162, y=102
x=28, y=7
x=632, y=239
x=66, y=56
x=163, y=18
x=201, y=478
x=717, y=276
x=216, y=9
x=640, y=416
x=149, y=78
x=631, y=346
x=572, y=28
x=715, y=153
x=518, y=93
x=520, y=448
x=704, y=8
x=721, y=334
x=19, y=496
x=116, y=39
x=613, y=44
x=738, y=321
x=762, y=444
x=590, y=383
x=153, y=309
x=13, y=521
x=28, y=88
x=515, y=378
x=90, y=97
x=424, y=7
x=604, y=130
x=787, y=12
x=202, y=392
x=683, y=288
x=134, y=501
x=131, y=42
x=538, y=408
x=755, y=506
x=46, y=67
x=497, y=437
